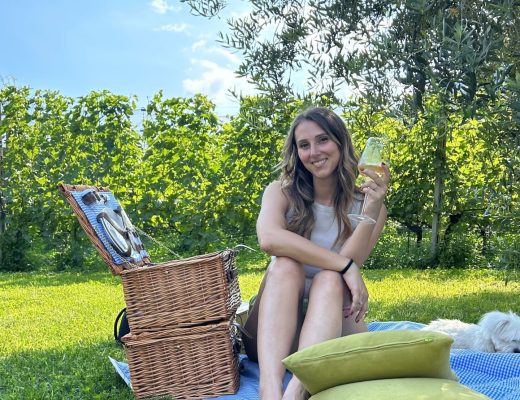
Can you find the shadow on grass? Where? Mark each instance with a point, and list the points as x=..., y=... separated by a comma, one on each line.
x=40, y=279
x=10, y=280
x=81, y=372
x=468, y=308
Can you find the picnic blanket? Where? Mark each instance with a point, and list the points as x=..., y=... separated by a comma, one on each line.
x=496, y=375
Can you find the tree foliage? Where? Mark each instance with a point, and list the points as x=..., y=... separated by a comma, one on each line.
x=195, y=182
x=188, y=178
x=48, y=139
x=435, y=64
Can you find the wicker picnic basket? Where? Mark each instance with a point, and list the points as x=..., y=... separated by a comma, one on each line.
x=182, y=340
x=187, y=363
x=182, y=293
x=162, y=295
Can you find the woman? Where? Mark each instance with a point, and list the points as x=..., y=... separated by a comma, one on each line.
x=317, y=253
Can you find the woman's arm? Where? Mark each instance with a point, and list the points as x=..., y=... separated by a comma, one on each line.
x=276, y=240
x=360, y=244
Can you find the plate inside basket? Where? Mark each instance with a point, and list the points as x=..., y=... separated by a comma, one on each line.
x=107, y=226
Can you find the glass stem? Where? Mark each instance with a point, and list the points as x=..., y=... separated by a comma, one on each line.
x=363, y=206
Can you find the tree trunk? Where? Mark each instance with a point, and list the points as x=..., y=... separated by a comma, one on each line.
x=440, y=167
x=418, y=231
x=485, y=235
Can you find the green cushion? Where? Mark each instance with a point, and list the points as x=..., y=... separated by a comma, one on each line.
x=401, y=389
x=372, y=355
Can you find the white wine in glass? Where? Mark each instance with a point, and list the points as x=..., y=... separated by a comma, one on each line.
x=370, y=159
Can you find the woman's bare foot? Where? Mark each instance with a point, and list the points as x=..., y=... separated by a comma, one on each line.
x=295, y=391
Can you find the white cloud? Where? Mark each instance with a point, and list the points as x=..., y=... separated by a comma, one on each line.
x=231, y=57
x=198, y=45
x=172, y=27
x=215, y=82
x=162, y=6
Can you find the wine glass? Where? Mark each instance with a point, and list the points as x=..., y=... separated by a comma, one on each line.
x=370, y=159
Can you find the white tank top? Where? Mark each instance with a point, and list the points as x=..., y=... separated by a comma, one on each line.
x=324, y=233
x=325, y=230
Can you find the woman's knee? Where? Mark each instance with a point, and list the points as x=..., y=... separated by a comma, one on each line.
x=327, y=281
x=287, y=269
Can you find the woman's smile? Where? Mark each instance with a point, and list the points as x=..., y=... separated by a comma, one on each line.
x=319, y=163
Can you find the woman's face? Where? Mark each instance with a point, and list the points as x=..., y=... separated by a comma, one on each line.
x=317, y=151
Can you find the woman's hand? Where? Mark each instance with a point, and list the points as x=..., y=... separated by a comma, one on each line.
x=375, y=190
x=359, y=293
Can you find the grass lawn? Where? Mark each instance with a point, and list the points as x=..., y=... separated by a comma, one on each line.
x=56, y=329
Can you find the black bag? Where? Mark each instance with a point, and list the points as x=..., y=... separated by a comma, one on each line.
x=121, y=327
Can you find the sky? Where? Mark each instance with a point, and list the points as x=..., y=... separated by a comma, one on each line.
x=130, y=47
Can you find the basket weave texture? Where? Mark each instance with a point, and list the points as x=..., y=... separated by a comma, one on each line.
x=187, y=363
x=182, y=293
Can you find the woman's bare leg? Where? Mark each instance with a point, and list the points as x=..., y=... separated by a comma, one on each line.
x=249, y=339
x=278, y=322
x=323, y=320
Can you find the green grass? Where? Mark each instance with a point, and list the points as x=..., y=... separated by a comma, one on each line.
x=56, y=329
x=426, y=295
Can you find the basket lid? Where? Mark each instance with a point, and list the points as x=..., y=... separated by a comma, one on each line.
x=107, y=226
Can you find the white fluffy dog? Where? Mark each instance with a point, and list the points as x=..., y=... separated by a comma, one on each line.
x=496, y=332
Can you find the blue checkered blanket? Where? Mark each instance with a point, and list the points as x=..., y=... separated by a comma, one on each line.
x=493, y=374
x=496, y=375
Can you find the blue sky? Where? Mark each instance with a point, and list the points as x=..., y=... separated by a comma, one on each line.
x=130, y=47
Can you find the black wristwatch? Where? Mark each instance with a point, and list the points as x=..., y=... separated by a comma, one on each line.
x=349, y=264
